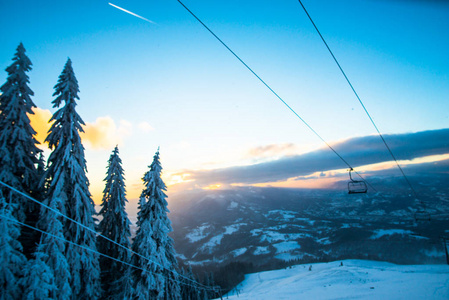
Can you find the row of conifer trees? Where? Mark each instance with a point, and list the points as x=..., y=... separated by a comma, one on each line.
x=50, y=244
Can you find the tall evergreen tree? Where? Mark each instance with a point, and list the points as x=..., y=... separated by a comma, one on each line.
x=38, y=281
x=67, y=180
x=12, y=260
x=189, y=290
x=18, y=150
x=152, y=241
x=115, y=225
x=51, y=248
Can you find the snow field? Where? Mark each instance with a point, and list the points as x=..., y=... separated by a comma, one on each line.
x=356, y=279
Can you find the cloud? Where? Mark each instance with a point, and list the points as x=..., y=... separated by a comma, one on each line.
x=101, y=134
x=104, y=133
x=272, y=150
x=125, y=128
x=39, y=122
x=145, y=127
x=359, y=151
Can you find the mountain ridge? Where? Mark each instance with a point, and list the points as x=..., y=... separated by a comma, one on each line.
x=266, y=225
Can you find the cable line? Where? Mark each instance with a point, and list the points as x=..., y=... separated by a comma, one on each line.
x=94, y=251
x=96, y=233
x=360, y=101
x=70, y=242
x=272, y=91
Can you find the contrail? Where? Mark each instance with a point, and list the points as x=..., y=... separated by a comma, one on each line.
x=131, y=13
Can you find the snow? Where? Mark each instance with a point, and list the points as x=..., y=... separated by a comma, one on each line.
x=324, y=241
x=286, y=246
x=261, y=250
x=239, y=252
x=233, y=205
x=356, y=279
x=434, y=252
x=289, y=256
x=274, y=236
x=307, y=220
x=383, y=232
x=212, y=243
x=181, y=256
x=351, y=225
x=284, y=213
x=269, y=236
x=233, y=228
x=198, y=233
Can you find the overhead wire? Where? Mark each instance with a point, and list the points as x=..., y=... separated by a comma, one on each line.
x=274, y=93
x=97, y=234
x=360, y=101
x=91, y=250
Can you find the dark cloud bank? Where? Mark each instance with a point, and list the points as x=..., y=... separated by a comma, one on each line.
x=356, y=151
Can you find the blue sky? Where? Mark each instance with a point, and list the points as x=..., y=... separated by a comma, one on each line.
x=173, y=85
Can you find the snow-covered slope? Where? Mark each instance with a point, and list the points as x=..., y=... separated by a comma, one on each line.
x=271, y=227
x=356, y=279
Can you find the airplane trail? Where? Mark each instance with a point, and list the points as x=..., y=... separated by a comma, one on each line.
x=131, y=13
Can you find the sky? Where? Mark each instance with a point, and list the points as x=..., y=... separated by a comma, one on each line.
x=162, y=80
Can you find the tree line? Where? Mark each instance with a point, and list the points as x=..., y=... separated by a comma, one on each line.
x=53, y=247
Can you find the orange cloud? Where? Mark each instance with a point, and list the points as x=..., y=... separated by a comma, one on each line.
x=172, y=179
x=213, y=187
x=104, y=133
x=392, y=165
x=101, y=134
x=39, y=122
x=315, y=181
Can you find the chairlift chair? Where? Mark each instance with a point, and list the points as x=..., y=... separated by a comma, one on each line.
x=356, y=186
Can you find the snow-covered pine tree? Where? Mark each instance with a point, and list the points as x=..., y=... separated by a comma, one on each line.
x=12, y=260
x=38, y=280
x=152, y=242
x=67, y=180
x=184, y=287
x=18, y=150
x=189, y=290
x=115, y=225
x=140, y=205
x=51, y=248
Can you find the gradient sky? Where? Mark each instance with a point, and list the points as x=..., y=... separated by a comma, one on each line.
x=171, y=84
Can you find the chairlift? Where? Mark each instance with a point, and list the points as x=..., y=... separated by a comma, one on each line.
x=356, y=186
x=422, y=215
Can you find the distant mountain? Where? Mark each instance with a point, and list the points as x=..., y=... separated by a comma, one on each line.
x=264, y=226
x=355, y=279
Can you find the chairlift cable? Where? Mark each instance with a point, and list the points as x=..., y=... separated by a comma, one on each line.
x=96, y=233
x=95, y=251
x=271, y=90
x=360, y=101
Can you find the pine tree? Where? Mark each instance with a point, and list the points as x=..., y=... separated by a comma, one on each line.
x=52, y=247
x=67, y=180
x=11, y=258
x=18, y=150
x=189, y=289
x=115, y=225
x=38, y=281
x=184, y=285
x=152, y=241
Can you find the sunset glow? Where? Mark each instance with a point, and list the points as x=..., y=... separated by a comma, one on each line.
x=174, y=86
x=40, y=123
x=212, y=187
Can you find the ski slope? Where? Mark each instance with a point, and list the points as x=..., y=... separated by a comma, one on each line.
x=356, y=279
